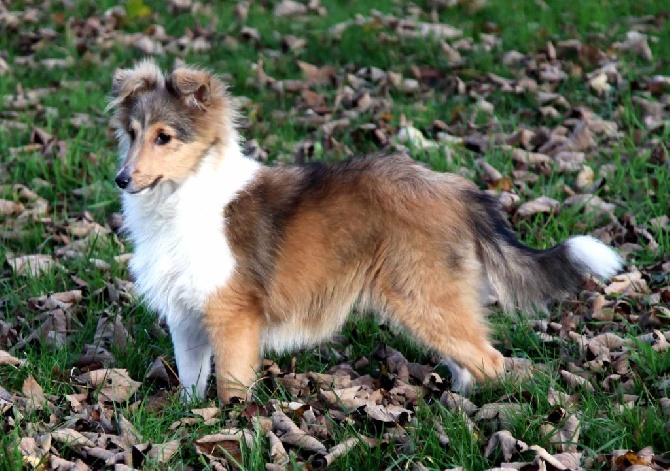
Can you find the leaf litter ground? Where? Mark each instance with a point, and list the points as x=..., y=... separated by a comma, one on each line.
x=563, y=116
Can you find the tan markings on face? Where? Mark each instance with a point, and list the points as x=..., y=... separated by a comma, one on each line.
x=157, y=154
x=134, y=130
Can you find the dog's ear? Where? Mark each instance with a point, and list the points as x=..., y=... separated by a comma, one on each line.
x=144, y=76
x=192, y=85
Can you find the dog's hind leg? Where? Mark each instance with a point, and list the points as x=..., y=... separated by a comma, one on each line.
x=450, y=320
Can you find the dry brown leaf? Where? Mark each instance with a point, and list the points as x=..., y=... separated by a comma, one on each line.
x=346, y=398
x=225, y=444
x=569, y=161
x=508, y=200
x=63, y=300
x=330, y=381
x=4, y=67
x=491, y=174
x=552, y=73
x=83, y=227
x=93, y=190
x=608, y=340
x=542, y=204
x=71, y=438
x=563, y=436
x=52, y=332
x=330, y=127
x=289, y=8
x=24, y=193
x=32, y=265
x=457, y=403
x=157, y=453
x=290, y=434
x=542, y=454
x=278, y=453
x=389, y=415
x=625, y=459
x=627, y=284
x=34, y=450
x=160, y=372
x=413, y=137
x=558, y=398
x=293, y=43
x=33, y=393
x=585, y=179
x=115, y=385
x=591, y=204
x=207, y=413
x=519, y=369
x=127, y=433
x=338, y=451
x=599, y=312
x=599, y=83
x=319, y=75
x=75, y=400
x=525, y=157
x=7, y=359
x=111, y=331
x=575, y=382
x=8, y=208
x=636, y=43
x=59, y=464
x=417, y=29
x=659, y=223
x=581, y=139
x=108, y=457
x=498, y=415
x=507, y=443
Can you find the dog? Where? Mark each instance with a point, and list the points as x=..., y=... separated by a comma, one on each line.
x=241, y=258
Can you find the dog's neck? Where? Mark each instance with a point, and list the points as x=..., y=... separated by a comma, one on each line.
x=222, y=173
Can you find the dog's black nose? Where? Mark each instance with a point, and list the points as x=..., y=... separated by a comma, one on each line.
x=122, y=179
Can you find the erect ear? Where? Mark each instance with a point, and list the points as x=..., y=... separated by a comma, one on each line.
x=144, y=76
x=193, y=86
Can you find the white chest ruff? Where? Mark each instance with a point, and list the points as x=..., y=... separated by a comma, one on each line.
x=184, y=262
x=181, y=255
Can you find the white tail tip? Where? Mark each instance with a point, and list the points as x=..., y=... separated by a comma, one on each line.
x=600, y=259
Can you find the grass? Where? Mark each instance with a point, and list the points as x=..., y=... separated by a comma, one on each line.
x=638, y=186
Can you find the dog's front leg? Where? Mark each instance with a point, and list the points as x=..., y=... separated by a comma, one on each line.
x=193, y=353
x=234, y=318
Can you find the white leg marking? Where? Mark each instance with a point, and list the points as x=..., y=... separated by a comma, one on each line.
x=194, y=357
x=461, y=379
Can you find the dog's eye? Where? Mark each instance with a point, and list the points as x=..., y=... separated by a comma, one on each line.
x=131, y=134
x=162, y=138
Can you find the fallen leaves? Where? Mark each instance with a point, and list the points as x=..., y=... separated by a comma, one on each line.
x=31, y=265
x=507, y=443
x=8, y=208
x=542, y=204
x=113, y=385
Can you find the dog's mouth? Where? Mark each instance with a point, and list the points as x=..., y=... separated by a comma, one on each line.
x=147, y=188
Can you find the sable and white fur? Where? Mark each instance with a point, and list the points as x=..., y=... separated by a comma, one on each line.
x=240, y=258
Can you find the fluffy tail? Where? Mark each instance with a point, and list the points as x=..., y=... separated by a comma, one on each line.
x=526, y=278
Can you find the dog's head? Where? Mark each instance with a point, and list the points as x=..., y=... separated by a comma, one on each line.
x=165, y=124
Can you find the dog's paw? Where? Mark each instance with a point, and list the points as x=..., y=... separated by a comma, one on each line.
x=462, y=380
x=189, y=395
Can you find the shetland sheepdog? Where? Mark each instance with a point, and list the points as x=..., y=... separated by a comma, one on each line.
x=240, y=258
